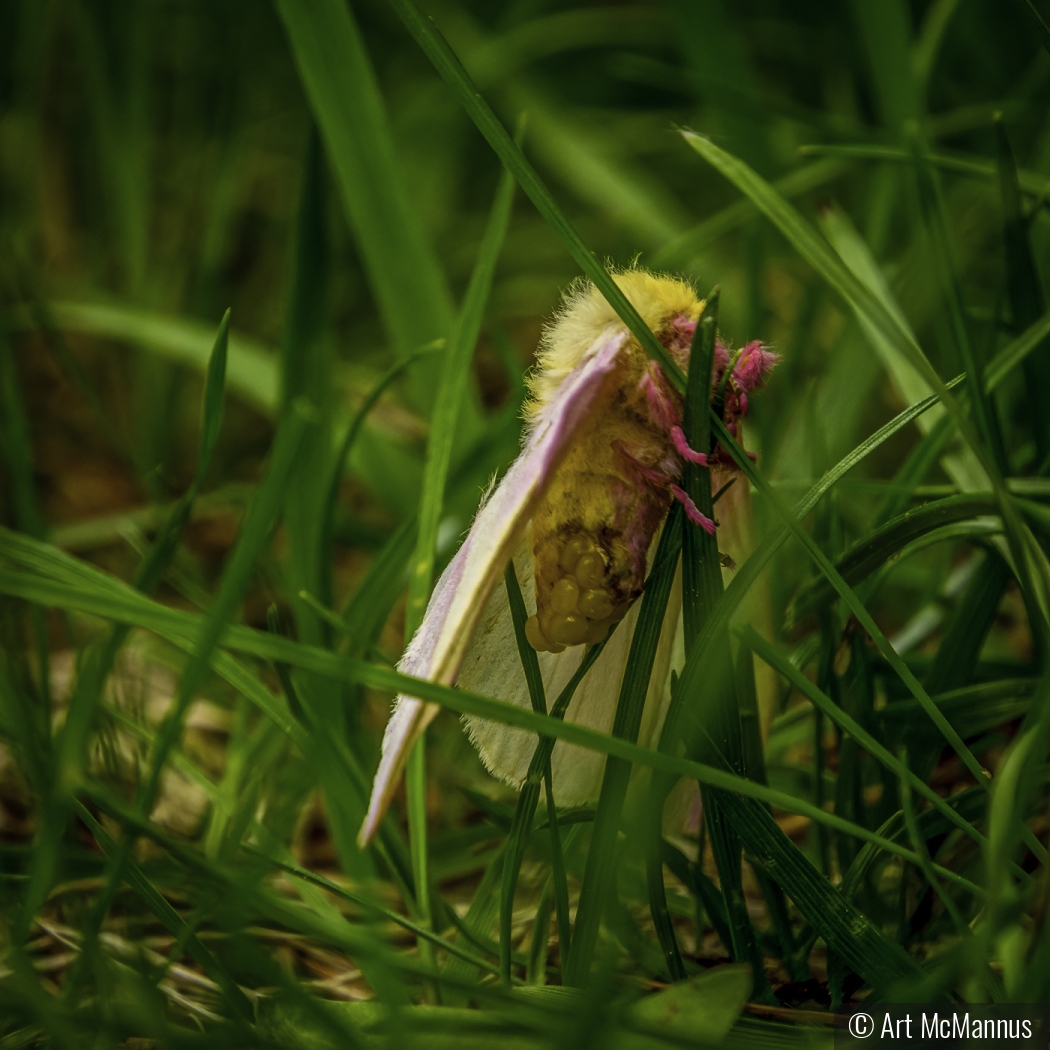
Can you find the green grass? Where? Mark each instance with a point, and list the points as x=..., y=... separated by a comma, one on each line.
x=267, y=296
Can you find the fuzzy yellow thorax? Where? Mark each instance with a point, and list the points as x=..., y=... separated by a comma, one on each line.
x=592, y=530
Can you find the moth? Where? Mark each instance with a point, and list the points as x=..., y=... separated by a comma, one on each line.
x=578, y=511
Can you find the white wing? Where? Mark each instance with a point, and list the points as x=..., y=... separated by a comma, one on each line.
x=439, y=646
x=492, y=667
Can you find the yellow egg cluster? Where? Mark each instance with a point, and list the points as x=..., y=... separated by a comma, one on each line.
x=581, y=606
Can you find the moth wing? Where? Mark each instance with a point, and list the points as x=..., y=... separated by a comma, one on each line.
x=491, y=667
x=462, y=593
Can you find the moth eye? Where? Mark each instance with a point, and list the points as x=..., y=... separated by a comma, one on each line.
x=565, y=596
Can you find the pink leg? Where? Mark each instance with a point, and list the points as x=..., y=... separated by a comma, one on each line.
x=692, y=512
x=641, y=473
x=683, y=449
x=662, y=407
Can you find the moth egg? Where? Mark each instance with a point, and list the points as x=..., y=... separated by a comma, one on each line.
x=590, y=570
x=596, y=604
x=534, y=635
x=573, y=551
x=565, y=595
x=568, y=629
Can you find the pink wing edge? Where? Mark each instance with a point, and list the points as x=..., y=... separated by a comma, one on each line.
x=438, y=647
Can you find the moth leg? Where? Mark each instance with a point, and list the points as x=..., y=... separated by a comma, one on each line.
x=681, y=446
x=692, y=512
x=641, y=473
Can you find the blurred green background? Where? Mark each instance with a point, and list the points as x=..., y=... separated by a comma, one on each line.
x=152, y=157
x=302, y=165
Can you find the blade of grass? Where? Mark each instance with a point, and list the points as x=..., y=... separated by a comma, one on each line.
x=71, y=744
x=1015, y=352
x=253, y=367
x=1032, y=183
x=755, y=769
x=452, y=390
x=111, y=602
x=394, y=372
x=307, y=371
x=261, y=519
x=376, y=908
x=1038, y=23
x=524, y=814
x=404, y=274
x=451, y=70
x=600, y=869
x=742, y=460
x=17, y=450
x=1024, y=290
x=849, y=725
x=307, y=363
x=171, y=920
x=700, y=590
x=866, y=555
x=886, y=29
x=931, y=207
x=867, y=305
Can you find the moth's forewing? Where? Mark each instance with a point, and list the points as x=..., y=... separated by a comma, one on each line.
x=456, y=606
x=491, y=667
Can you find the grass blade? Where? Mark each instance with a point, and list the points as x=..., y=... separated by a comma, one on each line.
x=868, y=623
x=451, y=393
x=260, y=521
x=71, y=743
x=866, y=555
x=1024, y=290
x=451, y=70
x=849, y=725
x=521, y=828
x=600, y=870
x=340, y=84
x=1026, y=554
x=113, y=600
x=172, y=921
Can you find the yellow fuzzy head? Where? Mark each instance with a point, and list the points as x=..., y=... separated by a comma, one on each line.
x=584, y=314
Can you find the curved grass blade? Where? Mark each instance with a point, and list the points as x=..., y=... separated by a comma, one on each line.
x=861, y=299
x=252, y=370
x=103, y=596
x=451, y=70
x=868, y=553
x=865, y=619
